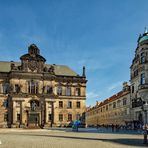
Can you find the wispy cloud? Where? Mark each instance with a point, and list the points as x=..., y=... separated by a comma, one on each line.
x=115, y=86
x=92, y=95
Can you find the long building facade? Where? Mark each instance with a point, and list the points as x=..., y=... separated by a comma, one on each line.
x=36, y=94
x=114, y=110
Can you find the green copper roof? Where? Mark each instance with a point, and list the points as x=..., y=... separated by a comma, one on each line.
x=143, y=38
x=58, y=69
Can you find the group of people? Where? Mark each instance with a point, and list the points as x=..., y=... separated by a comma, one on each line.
x=116, y=127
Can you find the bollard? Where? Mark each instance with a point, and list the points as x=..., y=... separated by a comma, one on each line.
x=145, y=137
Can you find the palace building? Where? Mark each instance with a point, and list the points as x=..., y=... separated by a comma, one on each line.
x=36, y=94
x=139, y=81
x=113, y=110
x=130, y=106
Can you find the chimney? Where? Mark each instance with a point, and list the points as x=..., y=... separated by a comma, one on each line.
x=125, y=86
x=83, y=75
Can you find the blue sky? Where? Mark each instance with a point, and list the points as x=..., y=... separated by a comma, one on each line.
x=99, y=34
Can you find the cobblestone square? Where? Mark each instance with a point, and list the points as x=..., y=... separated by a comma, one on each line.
x=66, y=138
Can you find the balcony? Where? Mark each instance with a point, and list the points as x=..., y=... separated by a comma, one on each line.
x=137, y=103
x=143, y=86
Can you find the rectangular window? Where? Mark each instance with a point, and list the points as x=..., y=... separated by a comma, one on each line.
x=78, y=104
x=60, y=104
x=114, y=105
x=106, y=107
x=33, y=87
x=78, y=117
x=60, y=117
x=59, y=90
x=17, y=88
x=78, y=93
x=69, y=117
x=132, y=89
x=49, y=89
x=6, y=117
x=68, y=91
x=5, y=103
x=18, y=117
x=49, y=117
x=6, y=88
x=142, y=78
x=124, y=101
x=69, y=105
x=118, y=103
x=142, y=58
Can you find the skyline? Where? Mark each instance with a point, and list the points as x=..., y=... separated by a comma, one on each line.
x=99, y=35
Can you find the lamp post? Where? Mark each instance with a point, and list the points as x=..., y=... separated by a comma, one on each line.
x=144, y=108
x=42, y=111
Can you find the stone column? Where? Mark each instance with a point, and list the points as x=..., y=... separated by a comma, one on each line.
x=52, y=113
x=21, y=112
x=46, y=112
x=14, y=113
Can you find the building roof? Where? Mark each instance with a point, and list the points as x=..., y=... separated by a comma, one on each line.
x=110, y=99
x=144, y=37
x=60, y=70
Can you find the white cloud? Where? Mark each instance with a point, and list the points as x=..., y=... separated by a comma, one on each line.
x=92, y=95
x=115, y=85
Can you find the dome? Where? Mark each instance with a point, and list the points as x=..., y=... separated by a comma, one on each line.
x=144, y=37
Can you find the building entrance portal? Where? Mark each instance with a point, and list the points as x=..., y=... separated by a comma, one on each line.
x=34, y=119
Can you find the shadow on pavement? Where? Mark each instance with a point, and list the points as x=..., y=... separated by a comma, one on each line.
x=123, y=141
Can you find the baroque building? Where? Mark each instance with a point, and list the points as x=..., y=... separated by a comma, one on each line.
x=36, y=94
x=139, y=80
x=114, y=110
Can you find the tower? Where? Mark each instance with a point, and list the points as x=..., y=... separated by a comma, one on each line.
x=139, y=78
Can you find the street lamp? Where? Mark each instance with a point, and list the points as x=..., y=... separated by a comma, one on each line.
x=144, y=108
x=143, y=92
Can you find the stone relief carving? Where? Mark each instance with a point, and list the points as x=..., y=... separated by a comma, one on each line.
x=32, y=65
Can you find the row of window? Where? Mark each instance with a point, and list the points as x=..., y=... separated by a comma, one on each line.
x=33, y=89
x=67, y=92
x=61, y=117
x=69, y=104
x=107, y=107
